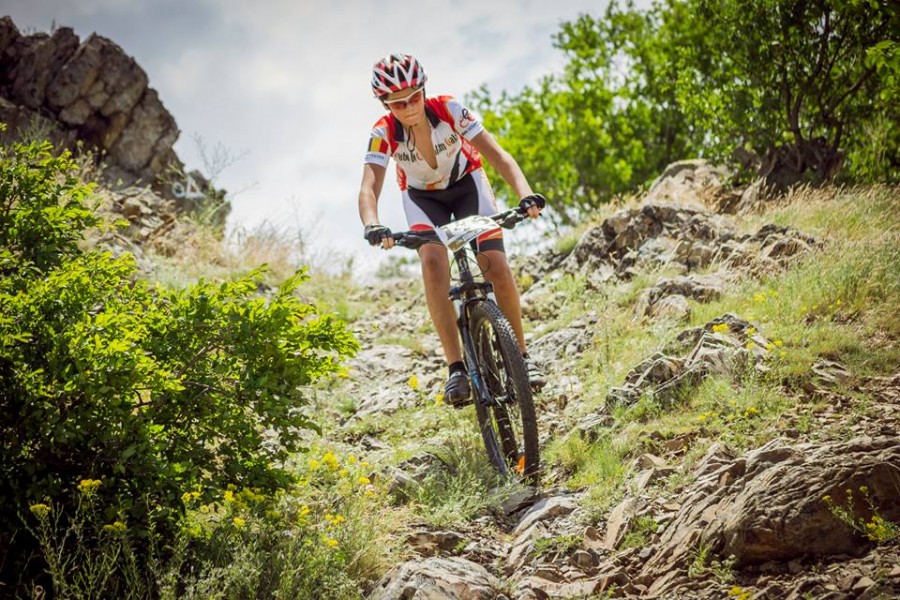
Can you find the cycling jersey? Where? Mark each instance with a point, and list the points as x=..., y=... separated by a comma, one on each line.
x=452, y=127
x=457, y=188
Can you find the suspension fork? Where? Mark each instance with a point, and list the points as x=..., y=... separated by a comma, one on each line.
x=462, y=305
x=463, y=296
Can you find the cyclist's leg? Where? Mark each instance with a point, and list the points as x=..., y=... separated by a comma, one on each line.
x=492, y=255
x=424, y=212
x=436, y=277
x=496, y=269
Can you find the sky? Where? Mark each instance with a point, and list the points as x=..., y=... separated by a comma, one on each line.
x=283, y=87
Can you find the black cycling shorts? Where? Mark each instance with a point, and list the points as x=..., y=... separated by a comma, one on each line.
x=469, y=196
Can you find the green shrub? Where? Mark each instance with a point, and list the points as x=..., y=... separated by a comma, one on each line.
x=150, y=391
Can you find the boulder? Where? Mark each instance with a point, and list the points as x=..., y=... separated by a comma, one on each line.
x=688, y=182
x=775, y=503
x=437, y=579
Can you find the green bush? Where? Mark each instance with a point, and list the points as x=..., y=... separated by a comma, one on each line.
x=150, y=391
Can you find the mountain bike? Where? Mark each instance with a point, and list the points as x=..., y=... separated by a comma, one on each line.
x=493, y=358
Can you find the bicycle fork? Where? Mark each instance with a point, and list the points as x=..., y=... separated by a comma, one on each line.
x=463, y=297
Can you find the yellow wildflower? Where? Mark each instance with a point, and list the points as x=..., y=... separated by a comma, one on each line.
x=413, y=382
x=89, y=486
x=759, y=297
x=331, y=461
x=779, y=343
x=351, y=459
x=363, y=481
x=439, y=399
x=115, y=527
x=39, y=510
x=330, y=542
x=720, y=328
x=313, y=464
x=751, y=331
x=229, y=496
x=239, y=522
x=344, y=473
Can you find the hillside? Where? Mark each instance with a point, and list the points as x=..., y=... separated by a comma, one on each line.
x=722, y=418
x=193, y=415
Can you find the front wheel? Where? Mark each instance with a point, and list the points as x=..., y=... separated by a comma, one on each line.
x=503, y=400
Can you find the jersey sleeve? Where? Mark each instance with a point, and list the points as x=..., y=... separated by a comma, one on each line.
x=465, y=120
x=378, y=150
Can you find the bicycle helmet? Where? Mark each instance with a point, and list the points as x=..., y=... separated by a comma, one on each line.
x=397, y=72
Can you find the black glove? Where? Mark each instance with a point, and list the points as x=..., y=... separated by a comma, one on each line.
x=375, y=233
x=532, y=200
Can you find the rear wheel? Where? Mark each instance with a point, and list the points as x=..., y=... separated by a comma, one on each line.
x=503, y=402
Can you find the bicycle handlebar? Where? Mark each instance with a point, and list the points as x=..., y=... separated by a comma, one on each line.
x=414, y=239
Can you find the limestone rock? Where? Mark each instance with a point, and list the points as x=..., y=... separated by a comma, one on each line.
x=437, y=579
x=703, y=288
x=688, y=181
x=771, y=505
x=719, y=347
x=94, y=93
x=547, y=508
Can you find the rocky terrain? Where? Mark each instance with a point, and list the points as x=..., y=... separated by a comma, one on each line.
x=757, y=523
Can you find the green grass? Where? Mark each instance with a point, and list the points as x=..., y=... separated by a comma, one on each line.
x=466, y=487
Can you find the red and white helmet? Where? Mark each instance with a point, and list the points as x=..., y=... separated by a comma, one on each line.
x=397, y=72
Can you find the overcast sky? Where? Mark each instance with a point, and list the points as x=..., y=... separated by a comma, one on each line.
x=284, y=84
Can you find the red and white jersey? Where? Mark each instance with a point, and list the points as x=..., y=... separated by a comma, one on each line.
x=452, y=127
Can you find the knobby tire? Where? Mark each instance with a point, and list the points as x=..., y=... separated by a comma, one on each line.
x=508, y=424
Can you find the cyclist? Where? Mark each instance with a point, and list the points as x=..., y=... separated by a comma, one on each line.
x=437, y=144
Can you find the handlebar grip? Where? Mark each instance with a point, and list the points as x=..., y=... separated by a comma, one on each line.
x=533, y=200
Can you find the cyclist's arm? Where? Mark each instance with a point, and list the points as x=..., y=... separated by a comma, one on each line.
x=369, y=191
x=503, y=162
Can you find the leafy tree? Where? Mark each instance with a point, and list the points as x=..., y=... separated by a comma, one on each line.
x=794, y=82
x=800, y=88
x=150, y=391
x=606, y=124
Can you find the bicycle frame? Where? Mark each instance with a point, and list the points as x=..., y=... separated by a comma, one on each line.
x=463, y=295
x=469, y=290
x=511, y=441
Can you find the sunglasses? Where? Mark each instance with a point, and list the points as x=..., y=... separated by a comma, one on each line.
x=402, y=103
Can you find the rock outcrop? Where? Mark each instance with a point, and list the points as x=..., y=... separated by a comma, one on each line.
x=91, y=94
x=90, y=91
